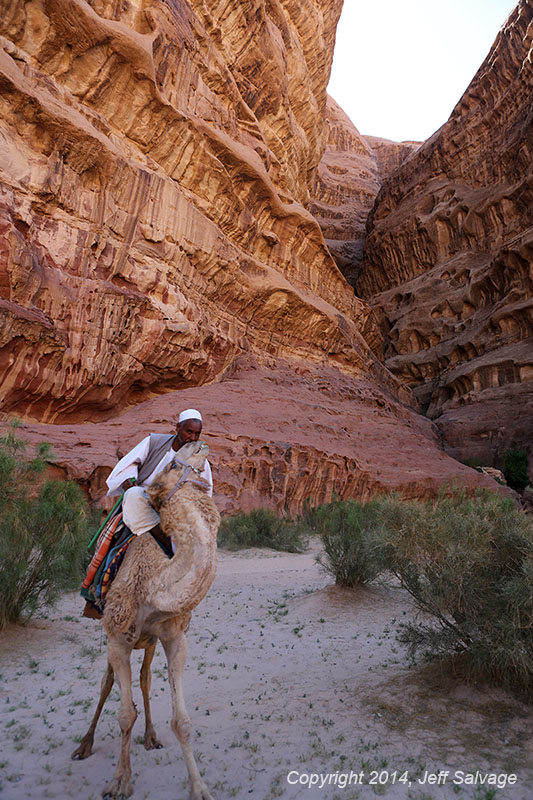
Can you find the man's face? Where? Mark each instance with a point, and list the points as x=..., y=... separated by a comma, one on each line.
x=189, y=431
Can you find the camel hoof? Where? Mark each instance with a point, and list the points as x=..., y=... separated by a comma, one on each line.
x=199, y=791
x=118, y=789
x=83, y=751
x=151, y=742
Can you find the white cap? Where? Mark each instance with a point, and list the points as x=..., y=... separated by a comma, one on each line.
x=189, y=413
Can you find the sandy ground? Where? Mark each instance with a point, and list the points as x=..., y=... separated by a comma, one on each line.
x=287, y=676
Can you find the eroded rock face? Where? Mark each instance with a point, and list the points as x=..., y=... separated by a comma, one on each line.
x=448, y=259
x=389, y=155
x=348, y=179
x=279, y=437
x=156, y=162
x=346, y=186
x=155, y=165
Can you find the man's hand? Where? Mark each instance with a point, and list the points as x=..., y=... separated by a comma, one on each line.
x=127, y=484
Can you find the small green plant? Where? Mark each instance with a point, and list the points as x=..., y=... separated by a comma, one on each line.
x=353, y=550
x=262, y=528
x=473, y=462
x=515, y=469
x=468, y=562
x=43, y=531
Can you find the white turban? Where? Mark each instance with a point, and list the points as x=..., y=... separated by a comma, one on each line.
x=189, y=413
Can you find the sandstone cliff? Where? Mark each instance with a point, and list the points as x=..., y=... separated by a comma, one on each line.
x=389, y=155
x=279, y=436
x=155, y=166
x=448, y=256
x=348, y=179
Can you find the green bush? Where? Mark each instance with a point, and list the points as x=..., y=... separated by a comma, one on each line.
x=351, y=535
x=515, y=469
x=43, y=532
x=468, y=563
x=472, y=462
x=262, y=528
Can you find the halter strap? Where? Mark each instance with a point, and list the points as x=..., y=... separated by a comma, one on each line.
x=177, y=460
x=188, y=468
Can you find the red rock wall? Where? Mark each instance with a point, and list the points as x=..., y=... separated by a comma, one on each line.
x=346, y=186
x=279, y=436
x=156, y=251
x=390, y=155
x=348, y=179
x=157, y=158
x=448, y=259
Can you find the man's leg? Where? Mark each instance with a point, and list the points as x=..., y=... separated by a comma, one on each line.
x=162, y=538
x=141, y=517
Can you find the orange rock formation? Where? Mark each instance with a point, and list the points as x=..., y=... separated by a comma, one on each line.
x=448, y=257
x=279, y=436
x=348, y=179
x=154, y=175
x=155, y=165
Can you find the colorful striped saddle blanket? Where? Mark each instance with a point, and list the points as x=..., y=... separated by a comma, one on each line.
x=110, y=549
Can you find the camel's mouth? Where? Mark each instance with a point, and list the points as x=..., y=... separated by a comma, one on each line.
x=193, y=449
x=200, y=448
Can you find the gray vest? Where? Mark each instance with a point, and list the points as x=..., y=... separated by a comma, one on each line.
x=160, y=443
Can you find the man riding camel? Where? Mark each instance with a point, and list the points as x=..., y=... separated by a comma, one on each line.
x=138, y=468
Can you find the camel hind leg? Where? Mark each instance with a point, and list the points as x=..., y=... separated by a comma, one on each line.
x=151, y=741
x=175, y=644
x=86, y=745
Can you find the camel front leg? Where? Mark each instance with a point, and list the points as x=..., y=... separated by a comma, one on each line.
x=175, y=645
x=86, y=745
x=151, y=741
x=119, y=652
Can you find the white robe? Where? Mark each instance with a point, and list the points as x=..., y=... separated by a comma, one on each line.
x=128, y=467
x=138, y=514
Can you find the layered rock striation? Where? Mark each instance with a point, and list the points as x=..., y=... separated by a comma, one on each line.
x=280, y=436
x=447, y=263
x=348, y=179
x=155, y=166
x=157, y=251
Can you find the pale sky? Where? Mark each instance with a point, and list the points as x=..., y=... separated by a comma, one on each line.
x=400, y=66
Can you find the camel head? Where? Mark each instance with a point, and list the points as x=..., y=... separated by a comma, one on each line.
x=192, y=453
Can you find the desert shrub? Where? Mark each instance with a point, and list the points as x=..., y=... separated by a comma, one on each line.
x=43, y=532
x=472, y=462
x=352, y=540
x=468, y=563
x=262, y=528
x=515, y=469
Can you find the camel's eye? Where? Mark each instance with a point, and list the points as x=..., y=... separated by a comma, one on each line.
x=173, y=465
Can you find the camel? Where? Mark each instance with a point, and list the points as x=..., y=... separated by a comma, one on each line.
x=151, y=599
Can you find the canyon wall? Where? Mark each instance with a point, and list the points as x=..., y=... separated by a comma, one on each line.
x=155, y=166
x=280, y=435
x=347, y=181
x=448, y=259
x=157, y=252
